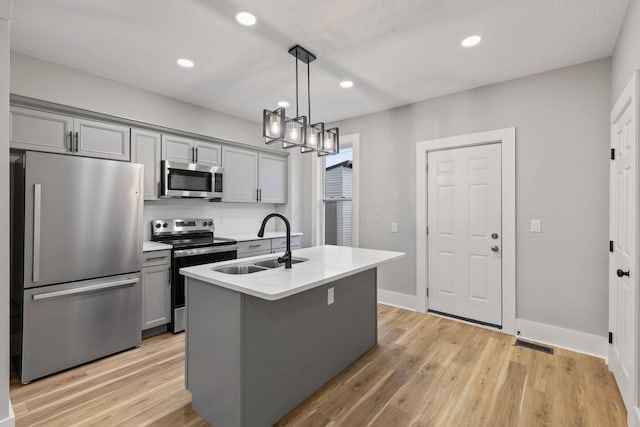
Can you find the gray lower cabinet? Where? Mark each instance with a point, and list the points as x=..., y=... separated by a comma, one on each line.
x=250, y=361
x=266, y=246
x=156, y=289
x=56, y=133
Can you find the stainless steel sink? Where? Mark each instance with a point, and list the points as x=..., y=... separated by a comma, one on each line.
x=240, y=269
x=273, y=263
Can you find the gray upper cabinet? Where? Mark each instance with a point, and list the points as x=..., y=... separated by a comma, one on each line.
x=208, y=154
x=145, y=150
x=250, y=176
x=272, y=178
x=103, y=140
x=56, y=133
x=185, y=150
x=177, y=149
x=240, y=175
x=40, y=131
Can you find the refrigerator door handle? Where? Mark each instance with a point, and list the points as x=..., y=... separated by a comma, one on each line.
x=37, y=207
x=85, y=289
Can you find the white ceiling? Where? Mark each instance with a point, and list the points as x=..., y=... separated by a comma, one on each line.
x=396, y=51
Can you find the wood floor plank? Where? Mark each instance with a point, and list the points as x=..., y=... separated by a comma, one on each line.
x=425, y=371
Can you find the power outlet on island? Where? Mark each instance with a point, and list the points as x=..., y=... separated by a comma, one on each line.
x=330, y=296
x=536, y=226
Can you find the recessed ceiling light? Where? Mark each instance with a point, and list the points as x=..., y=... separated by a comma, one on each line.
x=471, y=41
x=283, y=104
x=346, y=84
x=246, y=18
x=184, y=62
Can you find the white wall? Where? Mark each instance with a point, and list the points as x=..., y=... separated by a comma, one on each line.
x=229, y=218
x=626, y=57
x=6, y=413
x=562, y=133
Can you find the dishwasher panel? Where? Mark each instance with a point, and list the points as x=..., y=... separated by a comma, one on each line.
x=74, y=323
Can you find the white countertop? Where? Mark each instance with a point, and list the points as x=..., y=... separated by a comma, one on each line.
x=155, y=246
x=254, y=236
x=325, y=264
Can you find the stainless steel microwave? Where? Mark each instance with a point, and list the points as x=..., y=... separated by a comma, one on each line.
x=191, y=180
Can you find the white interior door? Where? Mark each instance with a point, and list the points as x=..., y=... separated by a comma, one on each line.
x=464, y=241
x=622, y=265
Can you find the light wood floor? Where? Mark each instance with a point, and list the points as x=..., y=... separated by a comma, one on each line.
x=426, y=371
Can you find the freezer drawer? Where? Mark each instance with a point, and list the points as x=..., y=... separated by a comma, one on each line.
x=73, y=323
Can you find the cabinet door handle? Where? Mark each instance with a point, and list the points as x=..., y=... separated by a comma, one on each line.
x=260, y=195
x=71, y=141
x=196, y=156
x=257, y=195
x=254, y=246
x=158, y=193
x=155, y=257
x=77, y=139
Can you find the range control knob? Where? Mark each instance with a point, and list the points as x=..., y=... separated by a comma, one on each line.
x=165, y=225
x=158, y=225
x=210, y=223
x=204, y=224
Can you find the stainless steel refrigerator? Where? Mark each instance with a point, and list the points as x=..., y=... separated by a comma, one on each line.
x=76, y=291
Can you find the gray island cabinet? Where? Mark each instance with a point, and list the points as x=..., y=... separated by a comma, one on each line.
x=258, y=344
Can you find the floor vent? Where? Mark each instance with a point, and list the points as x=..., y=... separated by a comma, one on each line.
x=536, y=347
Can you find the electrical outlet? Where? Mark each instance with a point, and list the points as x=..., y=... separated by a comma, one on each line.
x=330, y=296
x=536, y=226
x=394, y=227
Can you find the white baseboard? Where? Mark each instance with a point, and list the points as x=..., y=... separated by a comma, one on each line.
x=569, y=339
x=396, y=299
x=10, y=421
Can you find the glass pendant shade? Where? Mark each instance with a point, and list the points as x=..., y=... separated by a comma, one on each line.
x=295, y=134
x=314, y=138
x=273, y=125
x=330, y=142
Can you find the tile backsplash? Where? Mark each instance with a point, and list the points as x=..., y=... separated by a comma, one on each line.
x=229, y=218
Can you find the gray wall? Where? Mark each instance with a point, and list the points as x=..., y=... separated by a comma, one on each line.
x=626, y=57
x=562, y=133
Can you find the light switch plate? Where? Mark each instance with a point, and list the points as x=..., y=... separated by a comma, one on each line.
x=330, y=296
x=536, y=226
x=394, y=227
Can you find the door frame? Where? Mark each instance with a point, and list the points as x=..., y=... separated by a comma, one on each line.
x=507, y=139
x=629, y=95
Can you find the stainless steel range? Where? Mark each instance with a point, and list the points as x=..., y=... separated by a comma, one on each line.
x=193, y=243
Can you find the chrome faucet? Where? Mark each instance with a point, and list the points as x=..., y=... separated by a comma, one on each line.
x=286, y=258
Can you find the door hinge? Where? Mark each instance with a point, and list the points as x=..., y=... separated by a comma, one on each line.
x=610, y=337
x=613, y=154
x=610, y=245
x=427, y=292
x=427, y=230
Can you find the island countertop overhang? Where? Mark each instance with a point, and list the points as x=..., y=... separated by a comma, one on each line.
x=325, y=264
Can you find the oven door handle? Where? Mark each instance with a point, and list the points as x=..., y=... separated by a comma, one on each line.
x=180, y=253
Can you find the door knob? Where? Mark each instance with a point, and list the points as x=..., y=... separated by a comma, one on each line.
x=494, y=235
x=495, y=248
x=621, y=273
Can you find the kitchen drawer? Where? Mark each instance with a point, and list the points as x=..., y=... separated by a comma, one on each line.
x=150, y=259
x=281, y=243
x=254, y=246
x=254, y=253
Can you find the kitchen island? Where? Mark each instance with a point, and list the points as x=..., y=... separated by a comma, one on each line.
x=258, y=344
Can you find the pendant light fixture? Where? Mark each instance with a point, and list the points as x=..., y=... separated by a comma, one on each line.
x=299, y=131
